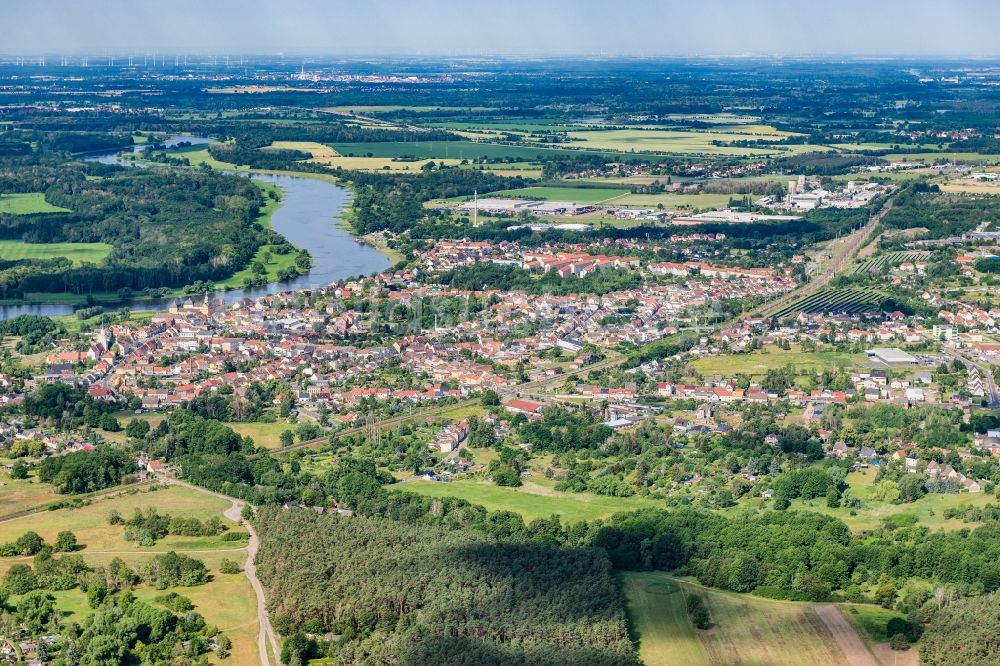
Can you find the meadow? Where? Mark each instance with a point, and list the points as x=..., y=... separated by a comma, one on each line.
x=745, y=629
x=20, y=494
x=460, y=150
x=758, y=363
x=671, y=200
x=90, y=522
x=78, y=253
x=532, y=500
x=584, y=195
x=678, y=141
x=27, y=202
x=927, y=511
x=227, y=601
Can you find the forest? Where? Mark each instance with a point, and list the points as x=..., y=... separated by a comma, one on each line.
x=400, y=593
x=166, y=228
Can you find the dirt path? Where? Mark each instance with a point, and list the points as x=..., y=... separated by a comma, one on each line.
x=266, y=633
x=847, y=638
x=250, y=568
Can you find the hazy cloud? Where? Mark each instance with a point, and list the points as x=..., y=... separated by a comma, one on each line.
x=473, y=27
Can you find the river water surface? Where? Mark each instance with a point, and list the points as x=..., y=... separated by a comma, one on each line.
x=309, y=217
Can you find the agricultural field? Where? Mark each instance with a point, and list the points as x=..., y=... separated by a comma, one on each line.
x=26, y=203
x=78, y=253
x=756, y=364
x=674, y=141
x=969, y=186
x=850, y=300
x=460, y=150
x=673, y=200
x=532, y=500
x=883, y=262
x=931, y=157
x=745, y=629
x=573, y=194
x=391, y=108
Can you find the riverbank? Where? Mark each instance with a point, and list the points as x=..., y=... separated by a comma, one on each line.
x=299, y=216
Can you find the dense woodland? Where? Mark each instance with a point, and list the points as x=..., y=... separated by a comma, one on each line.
x=166, y=229
x=400, y=593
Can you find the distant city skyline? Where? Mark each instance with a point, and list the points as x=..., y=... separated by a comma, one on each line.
x=513, y=27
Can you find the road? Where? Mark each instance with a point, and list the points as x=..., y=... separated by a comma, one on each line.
x=266, y=632
x=985, y=373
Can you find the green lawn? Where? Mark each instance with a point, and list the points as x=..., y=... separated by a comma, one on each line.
x=676, y=141
x=675, y=200
x=928, y=510
x=758, y=363
x=531, y=501
x=91, y=527
x=263, y=434
x=573, y=194
x=460, y=150
x=871, y=621
x=277, y=262
x=78, y=253
x=746, y=629
x=28, y=202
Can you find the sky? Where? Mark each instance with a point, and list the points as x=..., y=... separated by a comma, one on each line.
x=502, y=27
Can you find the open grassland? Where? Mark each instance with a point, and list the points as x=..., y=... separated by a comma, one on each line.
x=745, y=629
x=27, y=202
x=941, y=157
x=758, y=363
x=927, y=511
x=78, y=253
x=90, y=522
x=969, y=186
x=327, y=156
x=263, y=434
x=460, y=150
x=532, y=500
x=573, y=194
x=20, y=494
x=672, y=200
x=390, y=108
x=227, y=601
x=676, y=141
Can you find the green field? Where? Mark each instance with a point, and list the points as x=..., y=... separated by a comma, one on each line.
x=676, y=141
x=460, y=150
x=746, y=629
x=531, y=500
x=226, y=601
x=91, y=527
x=572, y=194
x=28, y=202
x=78, y=253
x=927, y=511
x=263, y=434
x=675, y=200
x=756, y=363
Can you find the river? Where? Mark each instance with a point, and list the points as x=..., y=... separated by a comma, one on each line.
x=309, y=217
